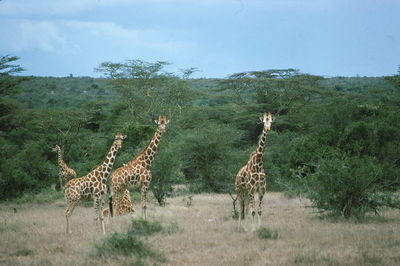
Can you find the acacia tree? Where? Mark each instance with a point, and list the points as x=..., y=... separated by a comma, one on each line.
x=279, y=89
x=147, y=88
x=8, y=83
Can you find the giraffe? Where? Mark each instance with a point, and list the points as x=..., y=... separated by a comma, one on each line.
x=93, y=185
x=137, y=171
x=124, y=207
x=65, y=173
x=251, y=177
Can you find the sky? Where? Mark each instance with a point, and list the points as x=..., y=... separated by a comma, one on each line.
x=218, y=37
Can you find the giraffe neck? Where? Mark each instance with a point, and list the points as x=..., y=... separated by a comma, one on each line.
x=106, y=166
x=59, y=158
x=260, y=146
x=146, y=157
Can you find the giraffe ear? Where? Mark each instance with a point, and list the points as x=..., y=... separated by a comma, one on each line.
x=261, y=119
x=167, y=122
x=155, y=121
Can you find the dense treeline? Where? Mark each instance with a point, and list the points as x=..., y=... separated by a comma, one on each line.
x=332, y=137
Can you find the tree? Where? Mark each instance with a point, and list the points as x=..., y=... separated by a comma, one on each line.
x=8, y=83
x=147, y=88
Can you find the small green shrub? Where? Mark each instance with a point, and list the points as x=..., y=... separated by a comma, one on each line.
x=265, y=233
x=129, y=244
x=140, y=227
x=125, y=245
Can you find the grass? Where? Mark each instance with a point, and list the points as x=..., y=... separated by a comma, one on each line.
x=44, y=196
x=202, y=234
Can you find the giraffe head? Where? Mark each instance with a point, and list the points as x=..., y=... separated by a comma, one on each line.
x=56, y=148
x=162, y=123
x=118, y=140
x=267, y=120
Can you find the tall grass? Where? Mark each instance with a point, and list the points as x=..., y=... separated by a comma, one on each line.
x=44, y=196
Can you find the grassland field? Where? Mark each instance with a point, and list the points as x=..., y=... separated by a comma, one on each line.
x=34, y=234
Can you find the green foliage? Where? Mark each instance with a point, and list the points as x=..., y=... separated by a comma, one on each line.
x=126, y=245
x=214, y=128
x=147, y=89
x=129, y=245
x=8, y=83
x=141, y=227
x=265, y=233
x=348, y=187
x=166, y=172
x=207, y=156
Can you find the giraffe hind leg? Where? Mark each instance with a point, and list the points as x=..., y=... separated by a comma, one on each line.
x=68, y=213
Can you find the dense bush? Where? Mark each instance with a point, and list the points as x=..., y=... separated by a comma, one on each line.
x=166, y=172
x=348, y=186
x=208, y=157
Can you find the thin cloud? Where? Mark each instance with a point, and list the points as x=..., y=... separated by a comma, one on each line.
x=26, y=34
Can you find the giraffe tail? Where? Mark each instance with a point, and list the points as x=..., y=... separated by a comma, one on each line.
x=110, y=205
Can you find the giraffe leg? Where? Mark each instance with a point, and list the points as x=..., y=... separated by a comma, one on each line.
x=61, y=183
x=143, y=194
x=101, y=216
x=115, y=203
x=68, y=213
x=251, y=206
x=240, y=199
x=261, y=191
x=98, y=212
x=260, y=204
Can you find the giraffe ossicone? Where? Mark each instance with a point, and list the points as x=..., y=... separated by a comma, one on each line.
x=93, y=185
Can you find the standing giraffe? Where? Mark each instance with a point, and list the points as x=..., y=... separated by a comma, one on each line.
x=93, y=185
x=137, y=171
x=65, y=173
x=251, y=178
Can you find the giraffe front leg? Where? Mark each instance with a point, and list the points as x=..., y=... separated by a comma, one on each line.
x=240, y=199
x=262, y=191
x=143, y=194
x=98, y=213
x=61, y=183
x=251, y=207
x=101, y=216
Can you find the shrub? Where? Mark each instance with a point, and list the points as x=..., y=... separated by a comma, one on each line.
x=125, y=245
x=209, y=157
x=265, y=233
x=128, y=244
x=348, y=187
x=165, y=172
x=142, y=227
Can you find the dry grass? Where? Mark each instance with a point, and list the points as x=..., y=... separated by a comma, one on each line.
x=207, y=235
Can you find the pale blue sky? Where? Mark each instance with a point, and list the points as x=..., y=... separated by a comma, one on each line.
x=219, y=37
